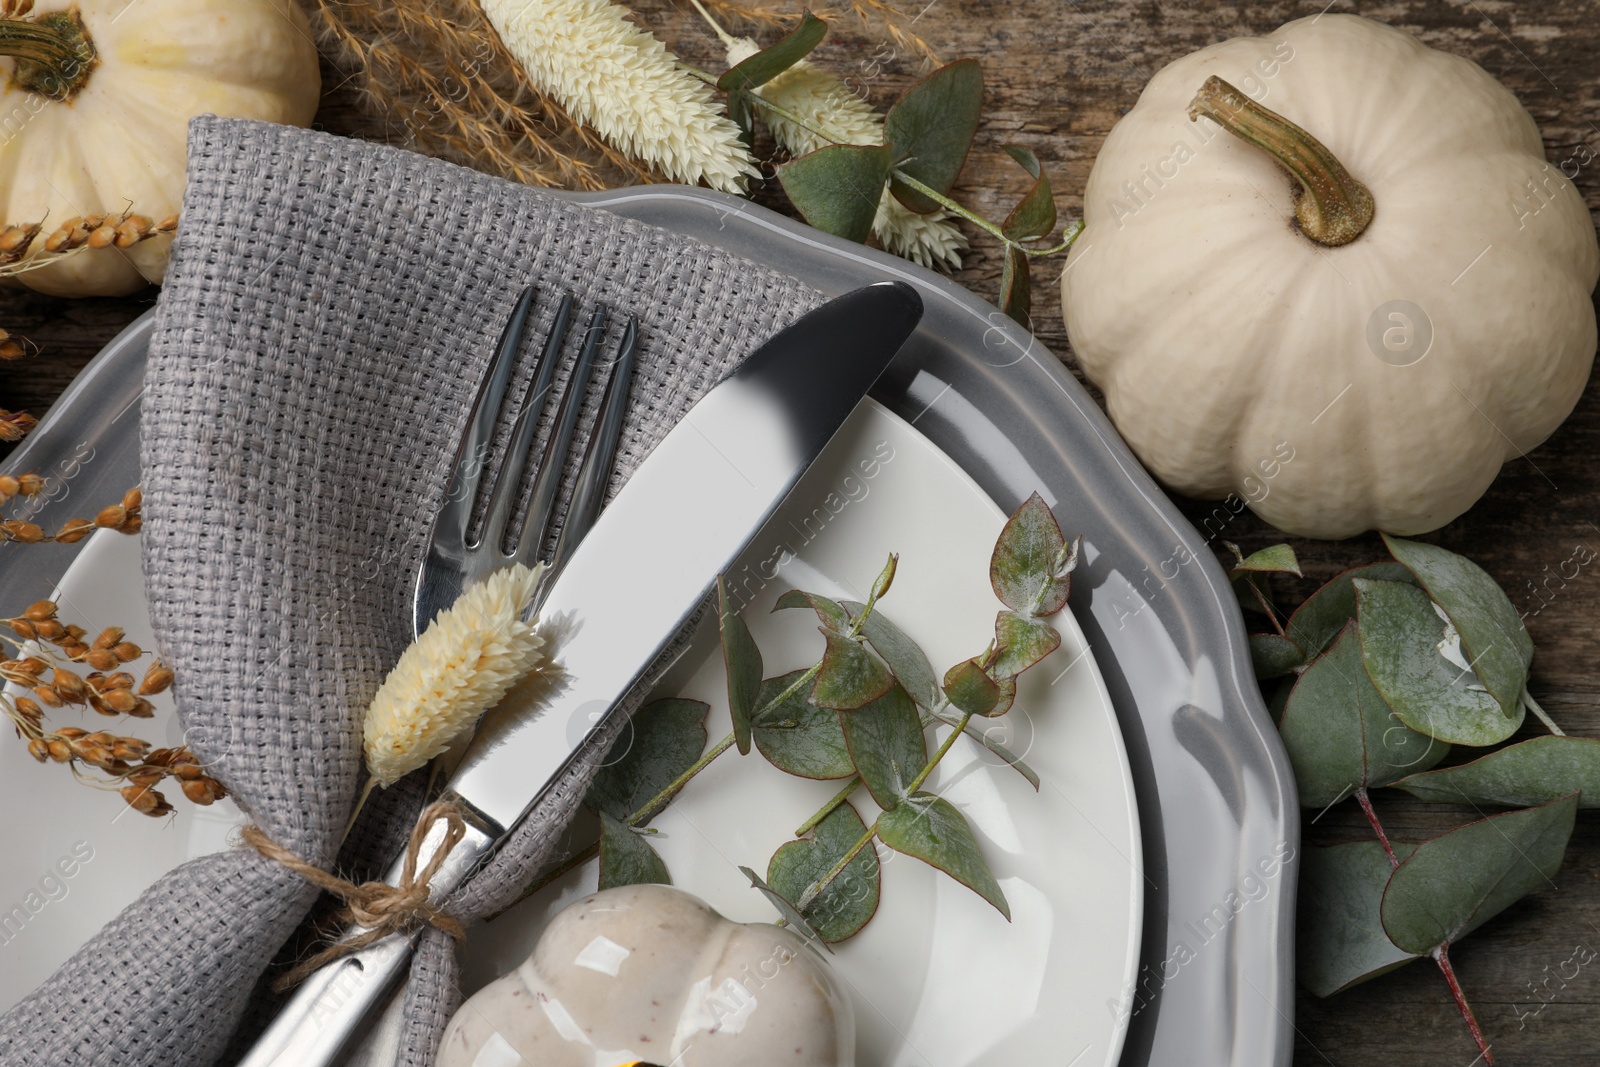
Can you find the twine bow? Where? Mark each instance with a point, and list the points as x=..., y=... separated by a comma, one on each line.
x=379, y=907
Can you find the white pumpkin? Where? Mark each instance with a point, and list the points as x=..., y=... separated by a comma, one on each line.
x=650, y=974
x=1377, y=377
x=108, y=135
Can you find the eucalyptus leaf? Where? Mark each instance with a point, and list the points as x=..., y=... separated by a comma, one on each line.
x=968, y=686
x=1274, y=559
x=930, y=828
x=626, y=858
x=1340, y=734
x=1016, y=287
x=837, y=188
x=1031, y=568
x=796, y=921
x=843, y=908
x=1020, y=642
x=850, y=676
x=743, y=661
x=1340, y=940
x=1318, y=621
x=1492, y=635
x=776, y=58
x=1401, y=639
x=1518, y=776
x=930, y=129
x=665, y=738
x=1274, y=656
x=1035, y=214
x=887, y=745
x=979, y=732
x=829, y=612
x=903, y=655
x=798, y=737
x=1454, y=883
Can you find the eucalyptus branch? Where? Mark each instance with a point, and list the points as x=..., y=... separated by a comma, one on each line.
x=838, y=868
x=674, y=787
x=850, y=786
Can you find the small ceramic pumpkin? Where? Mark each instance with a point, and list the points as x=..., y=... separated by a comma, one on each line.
x=1331, y=271
x=649, y=974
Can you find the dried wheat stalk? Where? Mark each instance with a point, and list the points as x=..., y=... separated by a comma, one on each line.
x=437, y=69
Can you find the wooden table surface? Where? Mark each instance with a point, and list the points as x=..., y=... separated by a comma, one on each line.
x=1059, y=74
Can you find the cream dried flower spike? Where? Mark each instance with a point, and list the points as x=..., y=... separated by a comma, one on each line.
x=467, y=659
x=623, y=82
x=828, y=104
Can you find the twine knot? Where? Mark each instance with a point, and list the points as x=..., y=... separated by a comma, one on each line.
x=379, y=908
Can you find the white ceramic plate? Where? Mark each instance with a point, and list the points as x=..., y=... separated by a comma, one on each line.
x=75, y=857
x=939, y=978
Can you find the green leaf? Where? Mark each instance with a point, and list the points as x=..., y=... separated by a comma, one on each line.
x=980, y=732
x=1020, y=642
x=743, y=661
x=903, y=655
x=887, y=745
x=1454, y=883
x=1493, y=638
x=799, y=737
x=828, y=611
x=1274, y=656
x=626, y=858
x=1318, y=621
x=1340, y=734
x=796, y=921
x=777, y=57
x=929, y=828
x=1016, y=288
x=1340, y=940
x=1517, y=776
x=837, y=188
x=1035, y=214
x=968, y=686
x=664, y=739
x=1401, y=636
x=930, y=128
x=1031, y=568
x=850, y=677
x=1275, y=559
x=843, y=908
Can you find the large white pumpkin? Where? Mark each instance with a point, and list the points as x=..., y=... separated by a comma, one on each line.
x=107, y=135
x=1378, y=383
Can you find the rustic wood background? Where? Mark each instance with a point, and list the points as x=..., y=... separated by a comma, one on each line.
x=1059, y=75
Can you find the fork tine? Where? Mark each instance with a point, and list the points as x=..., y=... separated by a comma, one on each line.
x=504, y=493
x=599, y=455
x=546, y=483
x=450, y=528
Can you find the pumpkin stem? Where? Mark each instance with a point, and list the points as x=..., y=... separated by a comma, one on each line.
x=1332, y=208
x=53, y=53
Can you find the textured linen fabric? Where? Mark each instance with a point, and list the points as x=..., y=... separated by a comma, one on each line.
x=327, y=317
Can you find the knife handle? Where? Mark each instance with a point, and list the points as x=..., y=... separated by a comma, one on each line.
x=329, y=1009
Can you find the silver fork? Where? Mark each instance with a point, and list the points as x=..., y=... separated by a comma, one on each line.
x=455, y=558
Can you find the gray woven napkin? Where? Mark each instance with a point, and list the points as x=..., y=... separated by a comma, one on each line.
x=327, y=316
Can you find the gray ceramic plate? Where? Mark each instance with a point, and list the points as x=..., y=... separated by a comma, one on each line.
x=1216, y=799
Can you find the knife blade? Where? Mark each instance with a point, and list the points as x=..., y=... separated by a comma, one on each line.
x=626, y=593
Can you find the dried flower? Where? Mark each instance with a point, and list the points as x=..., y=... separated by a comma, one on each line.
x=464, y=662
x=826, y=103
x=438, y=73
x=622, y=81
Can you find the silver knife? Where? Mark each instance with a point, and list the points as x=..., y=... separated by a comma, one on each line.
x=630, y=588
